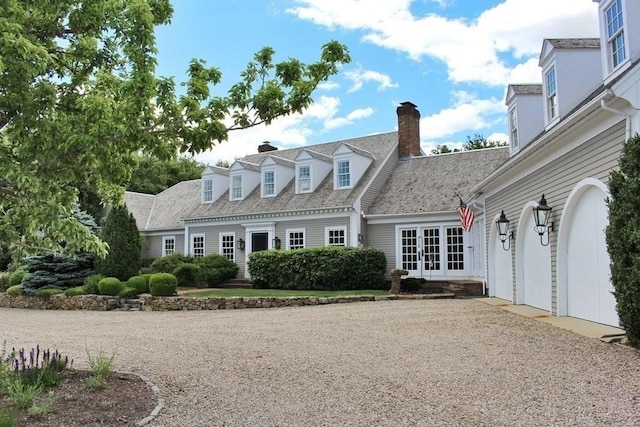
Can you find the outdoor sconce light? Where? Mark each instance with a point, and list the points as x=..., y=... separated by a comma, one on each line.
x=276, y=242
x=541, y=215
x=240, y=244
x=503, y=231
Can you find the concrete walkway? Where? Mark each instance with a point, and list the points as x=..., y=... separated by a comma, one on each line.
x=579, y=326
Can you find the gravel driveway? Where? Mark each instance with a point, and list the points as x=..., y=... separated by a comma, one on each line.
x=386, y=363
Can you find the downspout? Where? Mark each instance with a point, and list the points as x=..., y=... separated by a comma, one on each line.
x=627, y=117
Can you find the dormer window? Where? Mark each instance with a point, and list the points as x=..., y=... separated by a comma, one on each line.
x=615, y=33
x=513, y=129
x=268, y=184
x=236, y=187
x=304, y=179
x=207, y=190
x=552, y=95
x=344, y=174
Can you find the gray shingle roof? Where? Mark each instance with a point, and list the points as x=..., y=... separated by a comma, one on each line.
x=431, y=183
x=574, y=43
x=183, y=200
x=527, y=89
x=140, y=205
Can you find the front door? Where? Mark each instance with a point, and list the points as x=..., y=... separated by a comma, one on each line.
x=259, y=242
x=420, y=250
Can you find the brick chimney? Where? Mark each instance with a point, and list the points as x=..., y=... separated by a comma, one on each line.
x=408, y=130
x=266, y=146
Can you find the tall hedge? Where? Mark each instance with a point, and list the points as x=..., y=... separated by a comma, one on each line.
x=121, y=233
x=623, y=237
x=326, y=268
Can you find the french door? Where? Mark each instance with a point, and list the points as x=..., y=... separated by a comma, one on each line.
x=431, y=251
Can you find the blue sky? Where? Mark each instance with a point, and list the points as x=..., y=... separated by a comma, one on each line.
x=452, y=58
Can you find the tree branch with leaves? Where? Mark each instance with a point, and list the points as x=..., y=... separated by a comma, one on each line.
x=79, y=100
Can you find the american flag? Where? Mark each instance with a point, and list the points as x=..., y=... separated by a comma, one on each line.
x=466, y=216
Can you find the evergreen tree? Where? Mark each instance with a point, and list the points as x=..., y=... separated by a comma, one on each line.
x=623, y=237
x=120, y=232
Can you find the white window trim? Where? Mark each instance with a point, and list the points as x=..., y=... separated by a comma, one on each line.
x=232, y=187
x=192, y=241
x=233, y=243
x=298, y=189
x=164, y=244
x=344, y=187
x=336, y=228
x=288, y=232
x=263, y=184
x=513, y=128
x=204, y=181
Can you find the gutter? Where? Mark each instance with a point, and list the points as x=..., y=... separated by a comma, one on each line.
x=627, y=117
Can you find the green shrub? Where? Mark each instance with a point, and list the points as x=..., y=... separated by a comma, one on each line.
x=110, y=286
x=16, y=277
x=47, y=292
x=622, y=238
x=14, y=290
x=139, y=283
x=163, y=284
x=186, y=274
x=4, y=280
x=146, y=262
x=328, y=268
x=78, y=290
x=169, y=263
x=128, y=292
x=412, y=284
x=90, y=283
x=215, y=269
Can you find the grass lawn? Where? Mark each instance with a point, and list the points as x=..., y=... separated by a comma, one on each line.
x=244, y=292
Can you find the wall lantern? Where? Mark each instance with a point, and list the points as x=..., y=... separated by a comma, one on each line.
x=276, y=242
x=541, y=215
x=503, y=231
x=240, y=244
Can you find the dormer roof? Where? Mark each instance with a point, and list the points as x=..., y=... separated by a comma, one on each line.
x=356, y=150
x=313, y=154
x=271, y=159
x=210, y=170
x=550, y=44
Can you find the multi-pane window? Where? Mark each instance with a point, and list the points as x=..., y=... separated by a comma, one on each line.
x=344, y=174
x=236, y=187
x=455, y=249
x=615, y=32
x=295, y=239
x=197, y=245
x=227, y=246
x=268, y=183
x=513, y=125
x=552, y=96
x=336, y=237
x=304, y=179
x=432, y=249
x=168, y=245
x=409, y=249
x=207, y=191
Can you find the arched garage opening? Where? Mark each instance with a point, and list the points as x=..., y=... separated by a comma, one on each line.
x=584, y=284
x=500, y=266
x=533, y=264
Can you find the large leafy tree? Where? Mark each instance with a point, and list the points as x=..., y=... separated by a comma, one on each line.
x=79, y=97
x=623, y=238
x=153, y=175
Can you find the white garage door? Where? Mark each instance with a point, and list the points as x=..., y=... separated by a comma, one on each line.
x=536, y=275
x=589, y=290
x=503, y=272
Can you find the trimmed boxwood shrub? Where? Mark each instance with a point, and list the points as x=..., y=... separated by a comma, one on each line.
x=139, y=283
x=72, y=292
x=128, y=292
x=162, y=284
x=110, y=286
x=90, y=283
x=14, y=290
x=47, y=292
x=326, y=268
x=16, y=277
x=412, y=284
x=169, y=263
x=186, y=274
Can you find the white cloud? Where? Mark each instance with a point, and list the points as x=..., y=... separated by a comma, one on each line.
x=476, y=50
x=360, y=76
x=328, y=86
x=360, y=113
x=465, y=115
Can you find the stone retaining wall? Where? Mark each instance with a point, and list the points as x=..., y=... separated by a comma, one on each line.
x=149, y=303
